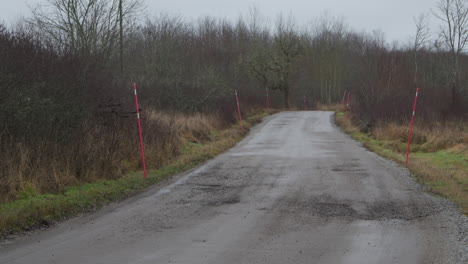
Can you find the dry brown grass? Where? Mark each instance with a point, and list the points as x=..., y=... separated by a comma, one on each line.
x=195, y=127
x=426, y=138
x=330, y=107
x=97, y=152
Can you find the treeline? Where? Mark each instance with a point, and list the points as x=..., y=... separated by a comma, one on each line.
x=66, y=75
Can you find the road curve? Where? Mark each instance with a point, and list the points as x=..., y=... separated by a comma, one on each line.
x=296, y=190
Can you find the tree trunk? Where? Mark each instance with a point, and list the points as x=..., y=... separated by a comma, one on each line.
x=121, y=36
x=454, y=86
x=286, y=98
x=454, y=96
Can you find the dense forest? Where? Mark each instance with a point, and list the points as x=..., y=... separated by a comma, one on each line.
x=66, y=103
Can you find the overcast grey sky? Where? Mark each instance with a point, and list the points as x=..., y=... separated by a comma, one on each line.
x=393, y=17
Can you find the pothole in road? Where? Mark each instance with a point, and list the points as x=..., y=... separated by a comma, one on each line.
x=347, y=170
x=228, y=201
x=374, y=211
x=208, y=186
x=348, y=167
x=398, y=211
x=333, y=210
x=321, y=209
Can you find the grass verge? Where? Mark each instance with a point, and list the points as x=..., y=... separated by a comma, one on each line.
x=444, y=171
x=33, y=210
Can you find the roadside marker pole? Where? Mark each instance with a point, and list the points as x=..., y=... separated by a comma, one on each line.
x=238, y=109
x=347, y=107
x=410, y=134
x=267, y=99
x=142, y=148
x=305, y=104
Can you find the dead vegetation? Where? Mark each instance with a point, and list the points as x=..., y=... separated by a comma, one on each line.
x=199, y=137
x=439, y=153
x=49, y=167
x=427, y=138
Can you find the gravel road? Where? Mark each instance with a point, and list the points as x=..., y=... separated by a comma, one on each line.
x=295, y=190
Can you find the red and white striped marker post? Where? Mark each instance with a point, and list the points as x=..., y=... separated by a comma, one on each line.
x=305, y=104
x=267, y=99
x=410, y=134
x=238, y=110
x=142, y=147
x=347, y=107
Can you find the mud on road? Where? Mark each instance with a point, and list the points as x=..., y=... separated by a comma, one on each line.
x=296, y=190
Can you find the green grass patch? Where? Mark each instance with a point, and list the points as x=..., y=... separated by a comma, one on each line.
x=33, y=210
x=437, y=184
x=445, y=159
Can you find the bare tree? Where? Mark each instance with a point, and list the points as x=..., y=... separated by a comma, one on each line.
x=121, y=40
x=89, y=27
x=454, y=35
x=259, y=65
x=421, y=38
x=287, y=47
x=272, y=60
x=256, y=22
x=329, y=43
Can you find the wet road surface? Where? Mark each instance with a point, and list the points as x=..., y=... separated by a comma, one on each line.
x=296, y=190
